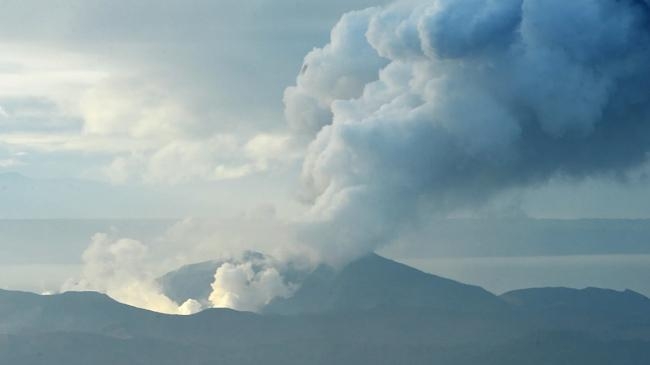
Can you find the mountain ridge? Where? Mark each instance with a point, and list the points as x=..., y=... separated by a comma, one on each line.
x=374, y=281
x=368, y=327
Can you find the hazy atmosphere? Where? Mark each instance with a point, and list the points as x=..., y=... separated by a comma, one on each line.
x=185, y=156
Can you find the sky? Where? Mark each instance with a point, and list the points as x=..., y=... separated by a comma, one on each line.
x=176, y=109
x=156, y=96
x=351, y=129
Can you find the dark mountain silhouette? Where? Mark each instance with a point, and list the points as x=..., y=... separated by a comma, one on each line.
x=376, y=282
x=370, y=282
x=373, y=311
x=592, y=301
x=603, y=312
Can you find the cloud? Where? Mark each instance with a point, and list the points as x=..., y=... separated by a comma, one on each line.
x=219, y=157
x=124, y=75
x=460, y=101
x=9, y=157
x=35, y=115
x=9, y=162
x=135, y=108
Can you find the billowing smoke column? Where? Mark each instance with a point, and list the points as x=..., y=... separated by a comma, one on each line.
x=430, y=106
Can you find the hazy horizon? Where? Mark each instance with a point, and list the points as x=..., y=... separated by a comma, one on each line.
x=491, y=252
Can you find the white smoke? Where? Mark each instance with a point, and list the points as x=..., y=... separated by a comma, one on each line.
x=337, y=71
x=243, y=286
x=117, y=267
x=128, y=270
x=429, y=106
x=189, y=307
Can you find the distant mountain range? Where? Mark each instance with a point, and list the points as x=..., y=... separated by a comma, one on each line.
x=372, y=311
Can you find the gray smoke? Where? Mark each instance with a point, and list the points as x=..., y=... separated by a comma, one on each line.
x=429, y=106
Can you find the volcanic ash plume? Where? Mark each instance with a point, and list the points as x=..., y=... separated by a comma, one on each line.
x=431, y=106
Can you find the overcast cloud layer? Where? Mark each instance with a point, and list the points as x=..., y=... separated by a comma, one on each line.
x=149, y=92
